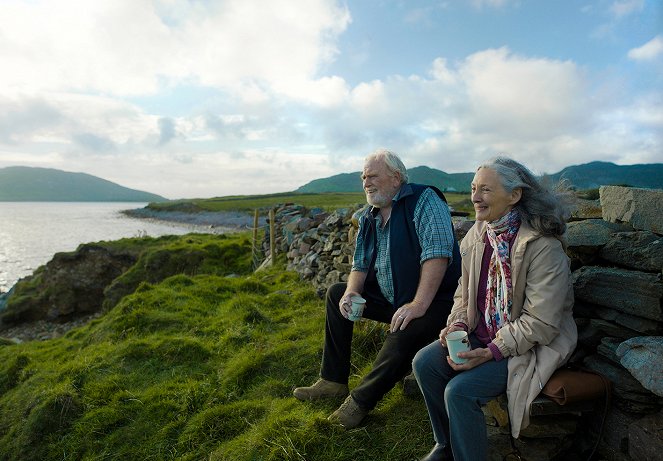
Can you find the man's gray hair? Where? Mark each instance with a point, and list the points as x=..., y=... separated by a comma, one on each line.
x=393, y=162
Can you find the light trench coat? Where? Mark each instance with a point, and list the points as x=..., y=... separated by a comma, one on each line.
x=542, y=334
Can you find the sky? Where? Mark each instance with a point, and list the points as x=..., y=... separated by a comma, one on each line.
x=207, y=98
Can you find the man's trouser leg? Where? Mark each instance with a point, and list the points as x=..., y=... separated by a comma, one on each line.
x=394, y=360
x=338, y=330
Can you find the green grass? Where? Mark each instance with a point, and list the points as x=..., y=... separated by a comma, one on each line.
x=196, y=366
x=249, y=203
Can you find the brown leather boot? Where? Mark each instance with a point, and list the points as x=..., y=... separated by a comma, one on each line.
x=321, y=389
x=349, y=414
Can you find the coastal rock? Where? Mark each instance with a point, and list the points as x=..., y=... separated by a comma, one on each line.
x=586, y=209
x=632, y=322
x=646, y=438
x=635, y=250
x=639, y=207
x=643, y=358
x=625, y=290
x=586, y=238
x=70, y=285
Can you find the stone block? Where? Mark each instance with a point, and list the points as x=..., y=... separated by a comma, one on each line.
x=646, y=438
x=624, y=386
x=586, y=209
x=639, y=207
x=556, y=426
x=591, y=234
x=632, y=292
x=641, y=250
x=616, y=437
x=646, y=327
x=643, y=358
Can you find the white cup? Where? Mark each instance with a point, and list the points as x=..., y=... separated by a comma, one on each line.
x=457, y=341
x=358, y=304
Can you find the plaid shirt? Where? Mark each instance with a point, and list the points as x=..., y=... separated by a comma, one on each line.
x=434, y=229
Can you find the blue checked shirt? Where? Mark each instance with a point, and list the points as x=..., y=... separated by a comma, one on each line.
x=432, y=222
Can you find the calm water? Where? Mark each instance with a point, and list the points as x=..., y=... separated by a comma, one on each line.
x=32, y=232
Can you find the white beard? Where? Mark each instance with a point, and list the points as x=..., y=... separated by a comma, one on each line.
x=379, y=200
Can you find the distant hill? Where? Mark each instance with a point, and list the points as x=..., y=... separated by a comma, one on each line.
x=586, y=176
x=27, y=184
x=594, y=174
x=351, y=182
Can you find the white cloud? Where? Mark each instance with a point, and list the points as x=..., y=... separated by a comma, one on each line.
x=490, y=3
x=623, y=8
x=523, y=98
x=649, y=51
x=124, y=47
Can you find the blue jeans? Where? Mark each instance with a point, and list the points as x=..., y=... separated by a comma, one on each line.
x=454, y=399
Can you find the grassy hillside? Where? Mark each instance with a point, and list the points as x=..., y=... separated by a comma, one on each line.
x=20, y=184
x=249, y=203
x=196, y=367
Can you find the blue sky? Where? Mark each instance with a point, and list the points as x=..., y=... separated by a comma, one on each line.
x=210, y=98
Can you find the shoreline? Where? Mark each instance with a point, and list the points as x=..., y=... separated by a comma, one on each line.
x=230, y=221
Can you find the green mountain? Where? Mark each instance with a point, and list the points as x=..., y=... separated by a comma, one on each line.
x=27, y=184
x=350, y=182
x=595, y=174
x=585, y=176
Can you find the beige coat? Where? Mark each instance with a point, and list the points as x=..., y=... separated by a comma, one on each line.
x=542, y=334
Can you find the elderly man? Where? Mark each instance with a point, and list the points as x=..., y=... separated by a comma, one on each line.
x=406, y=265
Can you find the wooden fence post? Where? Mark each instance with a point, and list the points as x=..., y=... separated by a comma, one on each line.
x=272, y=236
x=254, y=246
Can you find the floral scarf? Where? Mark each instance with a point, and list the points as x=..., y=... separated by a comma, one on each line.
x=499, y=292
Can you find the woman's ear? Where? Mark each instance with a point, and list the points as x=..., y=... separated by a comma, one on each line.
x=516, y=195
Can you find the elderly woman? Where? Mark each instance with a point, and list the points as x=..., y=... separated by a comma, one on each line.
x=514, y=299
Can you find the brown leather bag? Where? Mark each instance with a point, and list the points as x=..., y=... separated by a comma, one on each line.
x=575, y=385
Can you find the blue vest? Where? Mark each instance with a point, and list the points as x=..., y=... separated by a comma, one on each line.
x=404, y=248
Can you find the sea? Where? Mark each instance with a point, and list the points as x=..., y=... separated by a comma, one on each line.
x=32, y=232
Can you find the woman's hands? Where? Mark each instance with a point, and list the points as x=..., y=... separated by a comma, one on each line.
x=475, y=357
x=445, y=331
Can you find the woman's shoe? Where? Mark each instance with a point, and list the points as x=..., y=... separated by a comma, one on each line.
x=439, y=453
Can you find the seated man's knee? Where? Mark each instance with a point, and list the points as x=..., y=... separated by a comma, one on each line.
x=336, y=291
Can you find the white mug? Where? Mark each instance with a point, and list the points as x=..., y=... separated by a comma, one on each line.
x=457, y=341
x=358, y=304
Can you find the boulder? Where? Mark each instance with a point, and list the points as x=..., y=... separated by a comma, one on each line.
x=643, y=358
x=635, y=250
x=632, y=292
x=591, y=234
x=646, y=438
x=627, y=391
x=586, y=209
x=646, y=327
x=586, y=238
x=639, y=207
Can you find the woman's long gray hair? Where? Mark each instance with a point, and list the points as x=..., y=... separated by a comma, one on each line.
x=543, y=209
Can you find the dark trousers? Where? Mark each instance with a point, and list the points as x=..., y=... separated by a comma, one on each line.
x=394, y=360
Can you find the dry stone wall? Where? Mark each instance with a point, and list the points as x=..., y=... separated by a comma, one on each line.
x=616, y=251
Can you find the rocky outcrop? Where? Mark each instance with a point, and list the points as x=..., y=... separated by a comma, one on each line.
x=70, y=285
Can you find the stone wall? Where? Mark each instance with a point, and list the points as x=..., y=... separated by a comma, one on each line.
x=616, y=251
